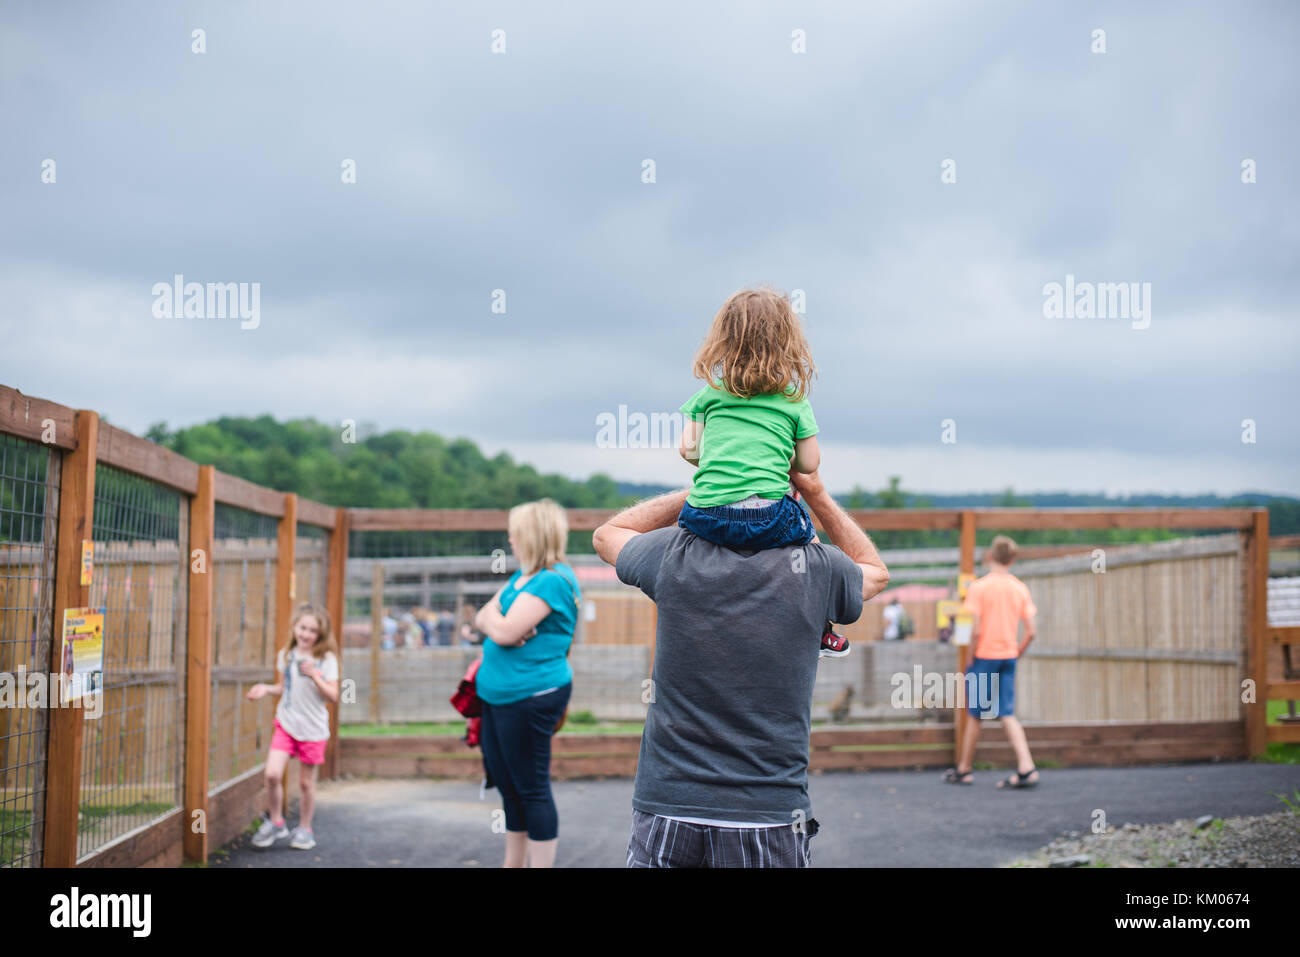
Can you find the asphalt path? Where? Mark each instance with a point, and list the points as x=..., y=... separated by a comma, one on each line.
x=874, y=819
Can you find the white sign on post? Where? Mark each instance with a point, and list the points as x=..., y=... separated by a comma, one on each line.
x=961, y=629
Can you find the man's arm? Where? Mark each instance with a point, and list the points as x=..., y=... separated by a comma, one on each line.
x=846, y=535
x=660, y=512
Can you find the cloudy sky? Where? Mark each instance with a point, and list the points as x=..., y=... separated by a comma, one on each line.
x=820, y=171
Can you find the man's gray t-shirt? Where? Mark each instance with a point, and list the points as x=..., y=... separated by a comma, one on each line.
x=726, y=735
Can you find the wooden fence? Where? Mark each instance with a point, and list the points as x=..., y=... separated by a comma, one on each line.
x=215, y=612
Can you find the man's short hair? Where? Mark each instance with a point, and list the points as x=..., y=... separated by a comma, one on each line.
x=1003, y=550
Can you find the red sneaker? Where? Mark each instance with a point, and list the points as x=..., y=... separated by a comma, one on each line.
x=833, y=645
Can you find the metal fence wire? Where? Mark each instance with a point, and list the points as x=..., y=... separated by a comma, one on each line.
x=29, y=507
x=310, y=564
x=429, y=587
x=132, y=768
x=243, y=641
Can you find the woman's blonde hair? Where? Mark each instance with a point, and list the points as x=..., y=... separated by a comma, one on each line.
x=325, y=641
x=540, y=530
x=756, y=346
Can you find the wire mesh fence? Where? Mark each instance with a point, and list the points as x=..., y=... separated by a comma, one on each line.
x=310, y=564
x=132, y=768
x=29, y=505
x=427, y=587
x=243, y=640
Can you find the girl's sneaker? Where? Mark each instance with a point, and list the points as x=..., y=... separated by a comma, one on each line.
x=303, y=839
x=833, y=645
x=269, y=833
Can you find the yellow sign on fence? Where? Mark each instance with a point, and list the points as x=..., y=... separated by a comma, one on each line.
x=87, y=561
x=82, y=669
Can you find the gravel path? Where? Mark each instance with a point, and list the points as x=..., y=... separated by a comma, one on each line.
x=1269, y=840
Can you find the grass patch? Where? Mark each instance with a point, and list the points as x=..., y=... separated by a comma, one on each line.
x=15, y=835
x=1280, y=752
x=91, y=814
x=892, y=747
x=457, y=728
x=16, y=826
x=1292, y=803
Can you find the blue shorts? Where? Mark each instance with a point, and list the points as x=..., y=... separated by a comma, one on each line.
x=781, y=525
x=991, y=692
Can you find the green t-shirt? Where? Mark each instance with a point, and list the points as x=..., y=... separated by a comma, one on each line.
x=746, y=445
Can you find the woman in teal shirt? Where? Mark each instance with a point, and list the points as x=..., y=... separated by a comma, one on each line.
x=525, y=679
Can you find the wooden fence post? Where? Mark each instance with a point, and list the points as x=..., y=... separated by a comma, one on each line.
x=338, y=563
x=198, y=671
x=376, y=635
x=966, y=566
x=1257, y=634
x=284, y=595
x=63, y=761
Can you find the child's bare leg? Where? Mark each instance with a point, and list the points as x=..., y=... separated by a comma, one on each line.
x=516, y=848
x=968, y=742
x=1020, y=744
x=307, y=778
x=276, y=762
x=542, y=853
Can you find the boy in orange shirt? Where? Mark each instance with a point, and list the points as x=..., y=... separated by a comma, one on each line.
x=999, y=602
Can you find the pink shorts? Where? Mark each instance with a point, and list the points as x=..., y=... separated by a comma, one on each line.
x=308, y=752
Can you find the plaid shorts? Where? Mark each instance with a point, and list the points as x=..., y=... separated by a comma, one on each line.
x=660, y=842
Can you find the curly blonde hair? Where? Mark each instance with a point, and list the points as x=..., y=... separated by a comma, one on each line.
x=756, y=346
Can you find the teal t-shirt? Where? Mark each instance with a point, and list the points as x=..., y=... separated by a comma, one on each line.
x=746, y=445
x=510, y=674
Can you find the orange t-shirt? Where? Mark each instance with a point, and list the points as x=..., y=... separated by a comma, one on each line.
x=1002, y=601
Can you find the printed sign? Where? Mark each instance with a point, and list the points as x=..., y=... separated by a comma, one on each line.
x=963, y=623
x=945, y=613
x=963, y=584
x=81, y=671
x=87, y=561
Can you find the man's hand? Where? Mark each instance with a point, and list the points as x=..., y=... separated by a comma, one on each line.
x=660, y=512
x=850, y=539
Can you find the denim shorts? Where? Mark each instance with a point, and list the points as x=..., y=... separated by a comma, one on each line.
x=778, y=526
x=992, y=692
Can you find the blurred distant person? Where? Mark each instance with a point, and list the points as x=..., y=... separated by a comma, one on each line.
x=389, y=625
x=998, y=602
x=893, y=621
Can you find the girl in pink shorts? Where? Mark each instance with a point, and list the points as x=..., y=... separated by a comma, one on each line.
x=308, y=677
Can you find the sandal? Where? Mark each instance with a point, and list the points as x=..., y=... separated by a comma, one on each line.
x=1017, y=780
x=953, y=776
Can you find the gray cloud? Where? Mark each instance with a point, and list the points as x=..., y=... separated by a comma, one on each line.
x=521, y=172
